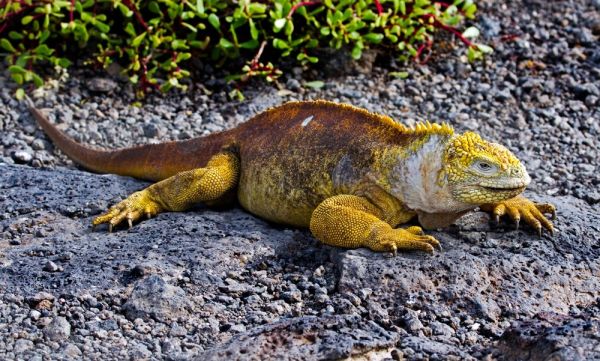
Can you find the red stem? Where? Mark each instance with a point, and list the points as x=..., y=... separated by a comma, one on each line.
x=427, y=45
x=379, y=7
x=71, y=10
x=509, y=37
x=451, y=29
x=299, y=5
x=254, y=62
x=137, y=13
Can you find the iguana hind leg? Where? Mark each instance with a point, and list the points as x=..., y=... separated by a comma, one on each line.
x=350, y=221
x=179, y=192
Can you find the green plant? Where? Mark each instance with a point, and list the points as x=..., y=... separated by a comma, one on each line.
x=154, y=40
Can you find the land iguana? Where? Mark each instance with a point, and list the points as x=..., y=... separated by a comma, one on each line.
x=350, y=175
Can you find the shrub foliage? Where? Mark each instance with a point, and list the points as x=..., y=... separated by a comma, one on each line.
x=154, y=40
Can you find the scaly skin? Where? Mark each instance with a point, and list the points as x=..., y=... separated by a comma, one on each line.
x=349, y=175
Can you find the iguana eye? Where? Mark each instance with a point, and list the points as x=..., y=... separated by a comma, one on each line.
x=485, y=167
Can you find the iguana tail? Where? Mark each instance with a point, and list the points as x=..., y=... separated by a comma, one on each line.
x=151, y=161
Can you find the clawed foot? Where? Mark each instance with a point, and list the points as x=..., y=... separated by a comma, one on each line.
x=411, y=238
x=519, y=207
x=133, y=208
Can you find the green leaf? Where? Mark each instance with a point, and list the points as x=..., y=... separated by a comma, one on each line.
x=138, y=40
x=253, y=30
x=214, y=21
x=20, y=94
x=125, y=10
x=36, y=79
x=18, y=78
x=179, y=44
x=226, y=44
x=374, y=38
x=315, y=84
x=471, y=33
x=182, y=56
x=15, y=36
x=44, y=36
x=104, y=28
x=26, y=19
x=6, y=45
x=470, y=10
x=279, y=24
x=280, y=44
x=250, y=44
x=356, y=52
x=16, y=69
x=189, y=26
x=129, y=29
x=63, y=62
x=399, y=74
x=153, y=7
x=43, y=50
x=200, y=6
x=485, y=49
x=473, y=54
x=289, y=28
x=256, y=8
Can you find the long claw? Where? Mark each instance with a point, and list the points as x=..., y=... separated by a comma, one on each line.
x=110, y=228
x=148, y=215
x=520, y=208
x=497, y=217
x=430, y=249
x=130, y=223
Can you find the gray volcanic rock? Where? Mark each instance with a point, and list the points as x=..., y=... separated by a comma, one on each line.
x=58, y=329
x=302, y=338
x=208, y=284
x=554, y=336
x=154, y=297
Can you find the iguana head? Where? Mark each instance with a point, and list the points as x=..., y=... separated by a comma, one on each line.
x=478, y=172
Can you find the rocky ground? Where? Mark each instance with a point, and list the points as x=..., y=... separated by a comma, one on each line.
x=223, y=284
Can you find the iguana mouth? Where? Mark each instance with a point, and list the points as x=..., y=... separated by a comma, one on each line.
x=502, y=189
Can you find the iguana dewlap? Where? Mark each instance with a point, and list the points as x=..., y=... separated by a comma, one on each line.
x=350, y=175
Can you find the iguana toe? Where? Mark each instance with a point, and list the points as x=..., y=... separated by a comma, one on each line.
x=130, y=209
x=410, y=239
x=520, y=208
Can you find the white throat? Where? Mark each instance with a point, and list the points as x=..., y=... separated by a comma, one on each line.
x=417, y=183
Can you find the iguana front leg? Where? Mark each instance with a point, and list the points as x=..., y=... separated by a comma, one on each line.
x=350, y=221
x=177, y=193
x=519, y=207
